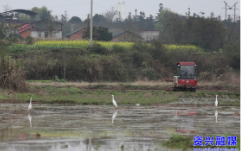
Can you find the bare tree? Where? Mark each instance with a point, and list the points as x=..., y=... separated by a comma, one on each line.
x=6, y=7
x=110, y=15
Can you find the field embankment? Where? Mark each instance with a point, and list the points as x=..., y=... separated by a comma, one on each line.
x=145, y=93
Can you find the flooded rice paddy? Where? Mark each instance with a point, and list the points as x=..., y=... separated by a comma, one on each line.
x=106, y=128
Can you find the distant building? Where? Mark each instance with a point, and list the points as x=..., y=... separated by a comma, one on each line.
x=44, y=29
x=76, y=35
x=12, y=16
x=127, y=36
x=121, y=9
x=148, y=35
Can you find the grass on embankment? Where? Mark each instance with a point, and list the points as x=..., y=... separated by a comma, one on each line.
x=96, y=94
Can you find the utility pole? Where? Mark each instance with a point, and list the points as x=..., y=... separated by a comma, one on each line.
x=234, y=12
x=91, y=22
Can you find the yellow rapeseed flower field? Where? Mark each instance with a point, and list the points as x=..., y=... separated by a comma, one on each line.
x=80, y=44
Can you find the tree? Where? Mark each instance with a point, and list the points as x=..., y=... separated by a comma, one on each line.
x=212, y=15
x=145, y=23
x=105, y=35
x=75, y=20
x=129, y=24
x=169, y=25
x=99, y=34
x=7, y=36
x=164, y=17
x=99, y=20
x=160, y=7
x=43, y=12
x=206, y=32
x=110, y=14
x=6, y=7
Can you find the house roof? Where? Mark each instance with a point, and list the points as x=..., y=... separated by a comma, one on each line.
x=117, y=33
x=186, y=63
x=30, y=26
x=67, y=35
x=25, y=27
x=121, y=32
x=28, y=12
x=149, y=30
x=45, y=20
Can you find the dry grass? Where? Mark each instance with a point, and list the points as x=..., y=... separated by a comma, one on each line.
x=85, y=84
x=12, y=75
x=232, y=79
x=205, y=83
x=227, y=79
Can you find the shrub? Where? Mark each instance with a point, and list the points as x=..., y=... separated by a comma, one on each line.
x=12, y=75
x=29, y=40
x=118, y=49
x=99, y=49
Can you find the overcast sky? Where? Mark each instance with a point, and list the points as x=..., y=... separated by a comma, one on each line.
x=82, y=7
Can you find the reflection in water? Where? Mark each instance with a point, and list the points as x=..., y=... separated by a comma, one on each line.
x=89, y=143
x=216, y=115
x=114, y=116
x=97, y=144
x=30, y=119
x=186, y=119
x=175, y=117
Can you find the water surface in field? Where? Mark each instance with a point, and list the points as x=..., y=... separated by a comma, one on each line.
x=105, y=128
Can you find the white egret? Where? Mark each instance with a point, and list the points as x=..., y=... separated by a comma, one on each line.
x=138, y=104
x=30, y=105
x=114, y=102
x=216, y=115
x=216, y=102
x=30, y=119
x=114, y=116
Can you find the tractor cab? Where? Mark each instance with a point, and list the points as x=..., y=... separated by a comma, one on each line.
x=185, y=76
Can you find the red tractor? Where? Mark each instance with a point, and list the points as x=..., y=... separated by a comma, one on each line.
x=185, y=77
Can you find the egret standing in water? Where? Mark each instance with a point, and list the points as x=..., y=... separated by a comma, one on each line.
x=216, y=115
x=30, y=105
x=114, y=102
x=216, y=102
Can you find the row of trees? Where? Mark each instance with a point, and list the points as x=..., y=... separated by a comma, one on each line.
x=207, y=33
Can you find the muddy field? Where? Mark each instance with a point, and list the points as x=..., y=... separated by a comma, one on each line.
x=105, y=128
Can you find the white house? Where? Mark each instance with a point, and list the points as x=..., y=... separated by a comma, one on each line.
x=148, y=35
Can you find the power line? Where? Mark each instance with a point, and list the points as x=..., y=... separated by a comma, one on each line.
x=70, y=5
x=100, y=5
x=78, y=4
